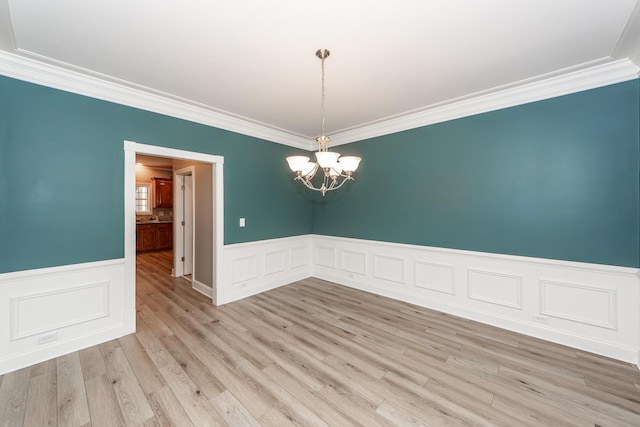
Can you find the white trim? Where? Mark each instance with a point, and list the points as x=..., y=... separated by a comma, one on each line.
x=449, y=288
x=473, y=294
x=539, y=88
x=610, y=299
x=35, y=302
x=609, y=269
x=106, y=88
x=49, y=271
x=17, y=302
x=251, y=269
x=35, y=355
x=202, y=288
x=130, y=150
x=178, y=266
x=84, y=82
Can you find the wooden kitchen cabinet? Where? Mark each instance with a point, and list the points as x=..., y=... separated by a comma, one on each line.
x=163, y=189
x=154, y=236
x=164, y=236
x=146, y=237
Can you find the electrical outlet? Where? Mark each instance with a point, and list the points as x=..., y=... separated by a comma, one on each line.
x=351, y=276
x=540, y=318
x=47, y=338
x=244, y=285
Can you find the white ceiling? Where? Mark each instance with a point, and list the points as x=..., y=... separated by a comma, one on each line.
x=255, y=59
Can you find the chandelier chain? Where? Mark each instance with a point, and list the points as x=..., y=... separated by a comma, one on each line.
x=322, y=100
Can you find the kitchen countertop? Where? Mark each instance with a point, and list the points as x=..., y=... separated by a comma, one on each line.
x=153, y=221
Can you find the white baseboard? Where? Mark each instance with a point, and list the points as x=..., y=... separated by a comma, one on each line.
x=586, y=306
x=35, y=355
x=202, y=288
x=256, y=267
x=49, y=312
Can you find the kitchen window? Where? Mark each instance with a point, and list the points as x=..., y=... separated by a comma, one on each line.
x=143, y=199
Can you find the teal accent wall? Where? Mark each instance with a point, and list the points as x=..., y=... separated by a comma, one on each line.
x=553, y=179
x=62, y=176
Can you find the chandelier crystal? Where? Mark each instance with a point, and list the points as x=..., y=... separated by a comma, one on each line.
x=333, y=169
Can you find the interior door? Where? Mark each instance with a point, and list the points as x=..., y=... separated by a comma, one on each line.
x=187, y=224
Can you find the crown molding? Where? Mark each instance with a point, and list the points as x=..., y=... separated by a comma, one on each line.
x=33, y=71
x=531, y=90
x=563, y=82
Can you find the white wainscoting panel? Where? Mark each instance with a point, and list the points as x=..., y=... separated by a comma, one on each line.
x=592, y=305
x=586, y=306
x=300, y=256
x=263, y=265
x=354, y=262
x=32, y=313
x=435, y=277
x=389, y=268
x=495, y=288
x=48, y=312
x=274, y=262
x=245, y=268
x=325, y=257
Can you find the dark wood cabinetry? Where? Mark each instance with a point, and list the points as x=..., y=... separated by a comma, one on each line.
x=163, y=189
x=146, y=237
x=153, y=237
x=164, y=236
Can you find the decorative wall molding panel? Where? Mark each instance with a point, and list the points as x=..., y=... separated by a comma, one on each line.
x=300, y=256
x=32, y=314
x=275, y=262
x=495, y=288
x=244, y=269
x=389, y=268
x=49, y=312
x=533, y=296
x=580, y=303
x=354, y=262
x=434, y=276
x=259, y=266
x=326, y=257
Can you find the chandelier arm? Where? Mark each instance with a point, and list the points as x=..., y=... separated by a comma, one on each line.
x=340, y=185
x=324, y=188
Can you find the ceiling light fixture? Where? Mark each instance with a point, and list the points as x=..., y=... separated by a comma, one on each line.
x=332, y=166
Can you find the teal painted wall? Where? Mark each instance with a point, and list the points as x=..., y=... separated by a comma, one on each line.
x=62, y=176
x=552, y=179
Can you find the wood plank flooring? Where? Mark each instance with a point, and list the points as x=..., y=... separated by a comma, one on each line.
x=314, y=354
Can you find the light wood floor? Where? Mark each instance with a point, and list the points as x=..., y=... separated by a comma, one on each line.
x=314, y=354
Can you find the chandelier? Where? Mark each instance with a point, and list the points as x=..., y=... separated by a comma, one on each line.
x=333, y=169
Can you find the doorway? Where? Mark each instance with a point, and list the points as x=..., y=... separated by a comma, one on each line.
x=209, y=242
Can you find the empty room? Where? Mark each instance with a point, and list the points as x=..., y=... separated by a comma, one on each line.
x=320, y=213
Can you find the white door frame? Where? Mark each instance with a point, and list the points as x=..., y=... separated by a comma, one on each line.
x=130, y=150
x=178, y=229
